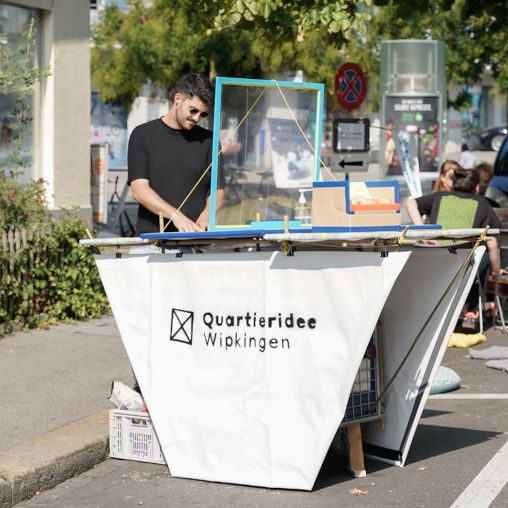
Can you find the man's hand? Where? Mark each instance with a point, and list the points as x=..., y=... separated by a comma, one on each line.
x=184, y=224
x=144, y=194
x=202, y=222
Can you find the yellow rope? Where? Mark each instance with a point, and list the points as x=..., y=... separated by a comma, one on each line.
x=285, y=247
x=463, y=266
x=209, y=165
x=483, y=236
x=402, y=237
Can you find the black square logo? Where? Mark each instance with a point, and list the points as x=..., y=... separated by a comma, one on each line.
x=182, y=324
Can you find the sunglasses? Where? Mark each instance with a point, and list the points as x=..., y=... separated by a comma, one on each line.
x=202, y=114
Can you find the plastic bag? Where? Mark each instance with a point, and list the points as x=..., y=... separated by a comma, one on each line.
x=124, y=397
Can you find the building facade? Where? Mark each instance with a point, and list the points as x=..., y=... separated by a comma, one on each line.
x=57, y=146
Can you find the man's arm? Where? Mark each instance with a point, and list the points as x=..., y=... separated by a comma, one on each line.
x=204, y=217
x=493, y=251
x=412, y=210
x=145, y=195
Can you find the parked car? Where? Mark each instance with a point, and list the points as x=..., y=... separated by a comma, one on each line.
x=498, y=188
x=492, y=137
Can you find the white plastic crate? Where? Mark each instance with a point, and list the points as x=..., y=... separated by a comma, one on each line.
x=132, y=437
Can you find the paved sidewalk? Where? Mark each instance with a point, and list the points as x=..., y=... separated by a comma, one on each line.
x=54, y=389
x=54, y=420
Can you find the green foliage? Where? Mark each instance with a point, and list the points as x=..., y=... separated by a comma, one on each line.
x=18, y=75
x=21, y=204
x=258, y=38
x=244, y=38
x=45, y=276
x=474, y=33
x=285, y=19
x=49, y=277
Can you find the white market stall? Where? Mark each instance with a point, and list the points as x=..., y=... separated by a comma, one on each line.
x=247, y=351
x=246, y=360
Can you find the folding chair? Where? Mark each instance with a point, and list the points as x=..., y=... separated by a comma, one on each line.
x=499, y=289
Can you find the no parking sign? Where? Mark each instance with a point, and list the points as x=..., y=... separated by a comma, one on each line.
x=350, y=86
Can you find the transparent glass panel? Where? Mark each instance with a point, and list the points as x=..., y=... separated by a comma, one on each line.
x=270, y=139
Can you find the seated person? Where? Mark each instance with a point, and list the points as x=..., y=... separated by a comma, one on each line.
x=444, y=181
x=461, y=208
x=485, y=174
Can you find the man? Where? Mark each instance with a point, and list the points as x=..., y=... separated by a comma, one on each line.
x=168, y=156
x=485, y=174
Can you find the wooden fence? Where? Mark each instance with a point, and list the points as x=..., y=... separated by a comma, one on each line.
x=18, y=262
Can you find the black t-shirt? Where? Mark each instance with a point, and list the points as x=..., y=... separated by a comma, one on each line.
x=460, y=204
x=172, y=161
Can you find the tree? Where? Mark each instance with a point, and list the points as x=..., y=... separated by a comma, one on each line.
x=259, y=38
x=245, y=38
x=282, y=20
x=473, y=31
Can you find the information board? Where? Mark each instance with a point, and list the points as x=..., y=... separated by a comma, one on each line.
x=351, y=135
x=416, y=117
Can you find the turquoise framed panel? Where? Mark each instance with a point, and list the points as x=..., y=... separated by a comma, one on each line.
x=267, y=141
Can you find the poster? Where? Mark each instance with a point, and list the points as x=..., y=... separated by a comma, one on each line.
x=99, y=183
x=109, y=125
x=416, y=117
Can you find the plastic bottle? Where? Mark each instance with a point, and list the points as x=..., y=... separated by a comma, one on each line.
x=302, y=210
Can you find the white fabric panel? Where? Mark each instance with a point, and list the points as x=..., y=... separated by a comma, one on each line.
x=127, y=284
x=260, y=406
x=417, y=291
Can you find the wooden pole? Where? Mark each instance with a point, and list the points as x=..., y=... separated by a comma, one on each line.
x=161, y=223
x=356, y=463
x=286, y=224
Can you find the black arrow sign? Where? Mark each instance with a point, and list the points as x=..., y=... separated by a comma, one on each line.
x=343, y=163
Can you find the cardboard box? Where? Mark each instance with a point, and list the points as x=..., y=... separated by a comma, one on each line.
x=355, y=204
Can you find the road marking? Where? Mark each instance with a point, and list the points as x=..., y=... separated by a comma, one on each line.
x=487, y=484
x=471, y=396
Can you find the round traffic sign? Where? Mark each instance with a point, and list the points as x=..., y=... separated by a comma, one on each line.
x=350, y=86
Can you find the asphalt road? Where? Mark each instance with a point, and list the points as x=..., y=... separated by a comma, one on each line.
x=461, y=435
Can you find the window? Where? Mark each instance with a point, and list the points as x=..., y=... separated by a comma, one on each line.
x=14, y=22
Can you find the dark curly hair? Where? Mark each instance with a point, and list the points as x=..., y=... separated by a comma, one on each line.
x=194, y=84
x=465, y=180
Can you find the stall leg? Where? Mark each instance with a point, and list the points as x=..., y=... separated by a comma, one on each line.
x=356, y=464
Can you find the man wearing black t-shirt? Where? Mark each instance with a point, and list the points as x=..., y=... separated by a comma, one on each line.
x=168, y=156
